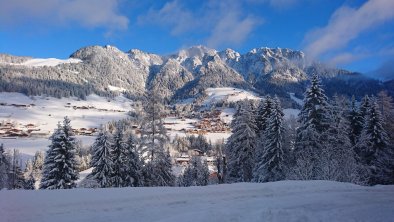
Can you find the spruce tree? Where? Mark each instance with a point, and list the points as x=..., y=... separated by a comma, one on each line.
x=159, y=171
x=120, y=158
x=263, y=113
x=240, y=148
x=386, y=107
x=337, y=159
x=135, y=178
x=38, y=163
x=314, y=120
x=102, y=160
x=364, y=107
x=28, y=176
x=373, y=148
x=196, y=173
x=60, y=168
x=4, y=168
x=270, y=164
x=356, y=122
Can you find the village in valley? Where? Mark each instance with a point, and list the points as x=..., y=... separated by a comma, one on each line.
x=203, y=117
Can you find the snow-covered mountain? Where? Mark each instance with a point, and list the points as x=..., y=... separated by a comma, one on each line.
x=95, y=69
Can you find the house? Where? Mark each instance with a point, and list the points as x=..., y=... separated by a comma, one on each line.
x=182, y=160
x=30, y=126
x=196, y=152
x=39, y=133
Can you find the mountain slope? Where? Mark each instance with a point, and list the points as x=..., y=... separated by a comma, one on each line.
x=97, y=69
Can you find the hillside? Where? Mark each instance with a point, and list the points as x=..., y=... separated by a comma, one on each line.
x=277, y=201
x=182, y=75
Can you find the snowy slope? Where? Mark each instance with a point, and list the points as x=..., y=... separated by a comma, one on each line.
x=47, y=62
x=228, y=94
x=46, y=112
x=278, y=201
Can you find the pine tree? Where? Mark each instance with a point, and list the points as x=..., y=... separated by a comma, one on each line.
x=356, y=122
x=314, y=120
x=315, y=111
x=373, y=148
x=102, y=159
x=4, y=168
x=60, y=168
x=240, y=147
x=386, y=107
x=153, y=133
x=159, y=171
x=135, y=178
x=120, y=158
x=38, y=163
x=28, y=176
x=270, y=164
x=364, y=107
x=16, y=177
x=196, y=173
x=337, y=160
x=263, y=113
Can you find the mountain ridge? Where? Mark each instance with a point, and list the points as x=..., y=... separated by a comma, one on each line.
x=180, y=75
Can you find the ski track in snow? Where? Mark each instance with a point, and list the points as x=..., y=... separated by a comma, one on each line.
x=278, y=201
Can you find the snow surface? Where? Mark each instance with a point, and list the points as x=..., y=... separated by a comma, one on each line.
x=116, y=89
x=47, y=62
x=295, y=99
x=228, y=94
x=176, y=127
x=48, y=111
x=291, y=113
x=277, y=201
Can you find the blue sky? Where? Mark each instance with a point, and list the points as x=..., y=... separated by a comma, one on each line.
x=353, y=34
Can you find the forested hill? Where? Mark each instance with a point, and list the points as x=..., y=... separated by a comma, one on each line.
x=107, y=71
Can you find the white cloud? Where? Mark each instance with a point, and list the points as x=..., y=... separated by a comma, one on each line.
x=345, y=25
x=225, y=22
x=87, y=13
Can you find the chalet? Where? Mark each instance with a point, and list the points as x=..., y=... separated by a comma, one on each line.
x=30, y=126
x=196, y=152
x=182, y=160
x=2, y=132
x=20, y=105
x=39, y=133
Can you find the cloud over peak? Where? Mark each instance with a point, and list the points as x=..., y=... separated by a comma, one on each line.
x=225, y=23
x=345, y=25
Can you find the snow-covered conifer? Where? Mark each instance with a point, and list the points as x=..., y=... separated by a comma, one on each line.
x=263, y=113
x=356, y=122
x=60, y=167
x=240, y=147
x=314, y=120
x=102, y=160
x=372, y=147
x=4, y=168
x=270, y=163
x=196, y=173
x=135, y=178
x=120, y=158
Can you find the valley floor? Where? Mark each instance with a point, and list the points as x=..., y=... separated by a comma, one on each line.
x=278, y=201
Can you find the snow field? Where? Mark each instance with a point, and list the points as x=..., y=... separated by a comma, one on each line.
x=47, y=62
x=277, y=201
x=48, y=111
x=229, y=94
